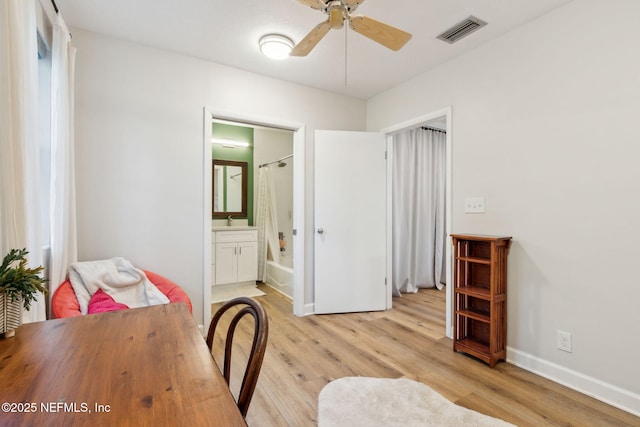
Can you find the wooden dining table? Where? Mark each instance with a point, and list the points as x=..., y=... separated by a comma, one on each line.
x=139, y=367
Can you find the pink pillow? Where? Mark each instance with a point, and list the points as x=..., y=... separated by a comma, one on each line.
x=101, y=302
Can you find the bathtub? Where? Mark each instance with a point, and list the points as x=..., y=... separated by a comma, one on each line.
x=280, y=276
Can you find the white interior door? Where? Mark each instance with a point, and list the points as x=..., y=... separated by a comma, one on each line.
x=350, y=221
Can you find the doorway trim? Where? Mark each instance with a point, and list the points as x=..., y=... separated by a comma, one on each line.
x=409, y=124
x=299, y=171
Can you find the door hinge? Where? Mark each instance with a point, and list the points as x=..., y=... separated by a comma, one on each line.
x=385, y=155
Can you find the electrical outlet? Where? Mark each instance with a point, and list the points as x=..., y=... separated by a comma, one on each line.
x=564, y=341
x=474, y=205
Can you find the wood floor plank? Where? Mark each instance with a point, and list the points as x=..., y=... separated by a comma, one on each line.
x=304, y=354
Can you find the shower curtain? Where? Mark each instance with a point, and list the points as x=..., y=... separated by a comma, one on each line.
x=419, y=166
x=267, y=222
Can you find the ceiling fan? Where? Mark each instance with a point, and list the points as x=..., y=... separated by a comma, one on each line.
x=340, y=11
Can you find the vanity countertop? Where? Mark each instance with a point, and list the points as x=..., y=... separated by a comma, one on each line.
x=234, y=228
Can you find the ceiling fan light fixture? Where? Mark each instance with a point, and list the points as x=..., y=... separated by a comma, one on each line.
x=275, y=46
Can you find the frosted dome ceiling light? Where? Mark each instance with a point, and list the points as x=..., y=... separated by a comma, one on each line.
x=275, y=46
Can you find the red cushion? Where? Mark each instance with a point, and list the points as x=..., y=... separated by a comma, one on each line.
x=65, y=304
x=170, y=289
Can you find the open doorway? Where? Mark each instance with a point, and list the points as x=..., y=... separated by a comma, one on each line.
x=419, y=237
x=439, y=123
x=265, y=128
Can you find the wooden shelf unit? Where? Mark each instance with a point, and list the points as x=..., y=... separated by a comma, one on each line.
x=480, y=296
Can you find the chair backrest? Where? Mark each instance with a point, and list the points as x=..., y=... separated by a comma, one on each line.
x=258, y=348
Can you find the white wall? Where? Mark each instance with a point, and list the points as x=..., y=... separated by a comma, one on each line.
x=545, y=127
x=139, y=136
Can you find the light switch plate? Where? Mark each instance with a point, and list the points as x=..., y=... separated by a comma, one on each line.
x=474, y=205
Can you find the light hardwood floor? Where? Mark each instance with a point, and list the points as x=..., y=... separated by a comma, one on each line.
x=304, y=354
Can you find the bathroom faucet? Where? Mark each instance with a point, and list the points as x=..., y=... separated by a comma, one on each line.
x=229, y=221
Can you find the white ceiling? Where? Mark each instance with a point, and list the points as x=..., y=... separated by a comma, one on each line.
x=227, y=32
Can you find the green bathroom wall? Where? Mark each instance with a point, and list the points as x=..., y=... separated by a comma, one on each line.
x=238, y=154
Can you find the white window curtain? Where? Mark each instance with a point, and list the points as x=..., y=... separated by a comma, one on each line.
x=20, y=213
x=62, y=185
x=267, y=222
x=419, y=166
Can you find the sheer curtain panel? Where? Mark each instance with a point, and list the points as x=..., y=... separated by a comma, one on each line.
x=266, y=221
x=419, y=166
x=62, y=185
x=20, y=213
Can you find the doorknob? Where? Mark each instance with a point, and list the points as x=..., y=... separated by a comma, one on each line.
x=320, y=231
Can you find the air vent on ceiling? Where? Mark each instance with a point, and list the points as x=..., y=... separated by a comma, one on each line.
x=462, y=29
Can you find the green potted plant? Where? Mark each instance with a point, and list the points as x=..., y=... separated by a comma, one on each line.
x=19, y=286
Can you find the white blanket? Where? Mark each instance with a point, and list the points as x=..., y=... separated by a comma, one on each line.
x=118, y=278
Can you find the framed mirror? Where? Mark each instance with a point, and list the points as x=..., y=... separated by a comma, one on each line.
x=229, y=189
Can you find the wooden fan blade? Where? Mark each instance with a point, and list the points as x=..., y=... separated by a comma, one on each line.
x=386, y=35
x=315, y=4
x=311, y=40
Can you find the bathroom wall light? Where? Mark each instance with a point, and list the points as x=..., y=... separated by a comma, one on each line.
x=275, y=46
x=230, y=143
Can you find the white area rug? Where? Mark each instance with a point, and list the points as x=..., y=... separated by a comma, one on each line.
x=225, y=293
x=361, y=401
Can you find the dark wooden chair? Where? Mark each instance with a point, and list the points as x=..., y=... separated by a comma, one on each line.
x=258, y=348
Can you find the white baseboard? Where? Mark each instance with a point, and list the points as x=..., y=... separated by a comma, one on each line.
x=610, y=394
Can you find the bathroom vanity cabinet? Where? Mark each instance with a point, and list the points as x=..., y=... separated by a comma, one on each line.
x=235, y=256
x=480, y=296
